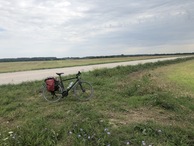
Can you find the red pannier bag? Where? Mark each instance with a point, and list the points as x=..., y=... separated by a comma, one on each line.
x=50, y=84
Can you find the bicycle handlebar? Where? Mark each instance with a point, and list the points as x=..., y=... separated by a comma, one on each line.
x=78, y=74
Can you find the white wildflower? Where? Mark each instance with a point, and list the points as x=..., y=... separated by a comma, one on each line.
x=5, y=138
x=10, y=132
x=143, y=143
x=106, y=129
x=128, y=143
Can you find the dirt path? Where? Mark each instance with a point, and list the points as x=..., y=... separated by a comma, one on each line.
x=19, y=77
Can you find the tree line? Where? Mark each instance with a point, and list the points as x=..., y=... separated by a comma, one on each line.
x=87, y=57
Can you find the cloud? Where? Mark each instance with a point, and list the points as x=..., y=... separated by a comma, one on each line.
x=2, y=29
x=99, y=27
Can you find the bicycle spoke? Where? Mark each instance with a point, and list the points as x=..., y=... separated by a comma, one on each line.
x=52, y=96
x=83, y=90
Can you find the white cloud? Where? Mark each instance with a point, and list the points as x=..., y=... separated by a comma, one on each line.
x=83, y=27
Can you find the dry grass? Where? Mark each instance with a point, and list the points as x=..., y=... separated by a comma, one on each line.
x=35, y=65
x=144, y=114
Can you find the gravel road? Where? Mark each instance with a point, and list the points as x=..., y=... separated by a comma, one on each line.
x=24, y=76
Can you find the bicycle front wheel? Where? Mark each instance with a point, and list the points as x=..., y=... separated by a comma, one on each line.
x=53, y=96
x=83, y=90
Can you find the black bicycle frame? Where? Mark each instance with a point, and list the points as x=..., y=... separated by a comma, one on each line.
x=68, y=80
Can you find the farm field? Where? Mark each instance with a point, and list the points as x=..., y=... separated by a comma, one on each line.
x=150, y=104
x=36, y=65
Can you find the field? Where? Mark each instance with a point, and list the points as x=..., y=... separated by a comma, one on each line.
x=34, y=65
x=150, y=104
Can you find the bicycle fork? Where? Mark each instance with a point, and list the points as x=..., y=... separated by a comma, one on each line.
x=83, y=90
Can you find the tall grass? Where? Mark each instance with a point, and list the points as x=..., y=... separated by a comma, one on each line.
x=129, y=107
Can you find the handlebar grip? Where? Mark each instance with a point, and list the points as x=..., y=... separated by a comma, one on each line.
x=79, y=73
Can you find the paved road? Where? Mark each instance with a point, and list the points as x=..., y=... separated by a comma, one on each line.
x=19, y=77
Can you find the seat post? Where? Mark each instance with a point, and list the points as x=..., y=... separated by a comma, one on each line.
x=61, y=82
x=60, y=78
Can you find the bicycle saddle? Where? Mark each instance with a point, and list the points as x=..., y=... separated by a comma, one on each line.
x=60, y=73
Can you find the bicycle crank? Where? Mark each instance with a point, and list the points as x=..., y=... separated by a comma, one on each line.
x=65, y=93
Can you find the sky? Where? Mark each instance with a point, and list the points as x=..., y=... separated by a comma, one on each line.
x=79, y=28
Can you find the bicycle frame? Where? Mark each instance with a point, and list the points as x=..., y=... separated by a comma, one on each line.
x=75, y=82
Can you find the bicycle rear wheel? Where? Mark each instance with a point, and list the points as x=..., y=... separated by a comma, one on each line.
x=83, y=90
x=52, y=96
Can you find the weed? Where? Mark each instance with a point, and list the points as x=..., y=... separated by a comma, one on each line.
x=165, y=101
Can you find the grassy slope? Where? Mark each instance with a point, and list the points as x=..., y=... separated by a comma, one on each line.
x=34, y=65
x=131, y=105
x=183, y=75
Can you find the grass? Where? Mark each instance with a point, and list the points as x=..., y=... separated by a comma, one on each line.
x=133, y=105
x=35, y=65
x=183, y=75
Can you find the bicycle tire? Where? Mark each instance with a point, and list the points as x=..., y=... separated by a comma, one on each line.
x=83, y=90
x=52, y=96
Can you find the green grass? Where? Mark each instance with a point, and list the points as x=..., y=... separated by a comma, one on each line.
x=35, y=65
x=131, y=105
x=182, y=74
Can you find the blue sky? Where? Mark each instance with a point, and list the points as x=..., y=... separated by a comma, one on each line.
x=68, y=28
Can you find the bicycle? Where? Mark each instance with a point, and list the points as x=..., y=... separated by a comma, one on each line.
x=82, y=89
